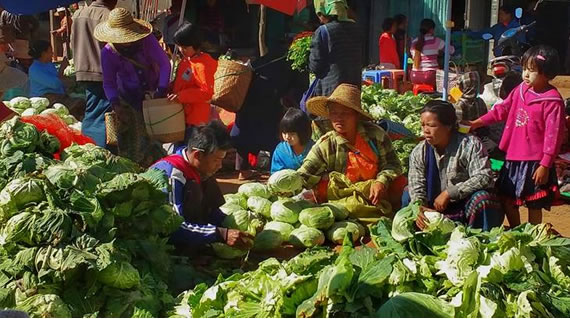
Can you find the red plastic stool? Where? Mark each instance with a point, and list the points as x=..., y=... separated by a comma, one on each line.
x=423, y=88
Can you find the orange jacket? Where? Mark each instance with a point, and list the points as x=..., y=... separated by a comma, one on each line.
x=387, y=48
x=194, y=84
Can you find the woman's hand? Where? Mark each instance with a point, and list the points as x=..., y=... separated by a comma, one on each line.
x=475, y=124
x=421, y=220
x=540, y=176
x=377, y=192
x=442, y=201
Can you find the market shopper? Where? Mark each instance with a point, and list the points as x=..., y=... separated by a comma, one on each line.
x=356, y=147
x=534, y=127
x=194, y=82
x=195, y=193
x=135, y=67
x=295, y=130
x=450, y=172
x=87, y=62
x=336, y=48
x=425, y=51
x=387, y=45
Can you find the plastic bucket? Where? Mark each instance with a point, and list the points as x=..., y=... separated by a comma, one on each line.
x=164, y=120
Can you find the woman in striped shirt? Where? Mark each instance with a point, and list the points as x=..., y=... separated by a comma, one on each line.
x=428, y=46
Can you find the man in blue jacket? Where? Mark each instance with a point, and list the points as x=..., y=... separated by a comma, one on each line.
x=506, y=21
x=195, y=193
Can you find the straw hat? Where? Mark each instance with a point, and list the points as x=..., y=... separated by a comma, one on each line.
x=347, y=95
x=121, y=27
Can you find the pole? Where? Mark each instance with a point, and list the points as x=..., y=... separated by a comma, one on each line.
x=448, y=26
x=68, y=34
x=262, y=26
x=52, y=35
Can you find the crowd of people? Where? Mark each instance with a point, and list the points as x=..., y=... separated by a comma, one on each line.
x=120, y=62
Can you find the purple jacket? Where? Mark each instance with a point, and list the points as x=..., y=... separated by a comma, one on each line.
x=120, y=77
x=534, y=124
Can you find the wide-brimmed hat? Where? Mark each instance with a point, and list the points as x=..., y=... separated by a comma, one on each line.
x=347, y=95
x=121, y=27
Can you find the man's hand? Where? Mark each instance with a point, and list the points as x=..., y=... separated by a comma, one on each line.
x=442, y=201
x=239, y=240
x=377, y=192
x=540, y=176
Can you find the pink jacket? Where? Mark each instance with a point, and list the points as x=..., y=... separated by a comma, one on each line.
x=534, y=124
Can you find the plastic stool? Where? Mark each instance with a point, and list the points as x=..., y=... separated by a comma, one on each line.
x=375, y=75
x=397, y=78
x=423, y=88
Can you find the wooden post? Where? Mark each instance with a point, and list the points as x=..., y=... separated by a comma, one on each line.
x=52, y=35
x=68, y=34
x=262, y=27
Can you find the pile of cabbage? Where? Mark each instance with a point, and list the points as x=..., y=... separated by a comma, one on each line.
x=275, y=216
x=444, y=271
x=82, y=236
x=40, y=105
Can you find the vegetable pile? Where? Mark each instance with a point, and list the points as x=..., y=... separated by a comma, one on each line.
x=84, y=236
x=444, y=271
x=299, y=52
x=40, y=105
x=274, y=216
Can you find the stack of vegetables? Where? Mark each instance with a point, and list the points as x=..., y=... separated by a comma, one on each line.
x=84, y=236
x=275, y=216
x=299, y=51
x=386, y=104
x=40, y=105
x=445, y=270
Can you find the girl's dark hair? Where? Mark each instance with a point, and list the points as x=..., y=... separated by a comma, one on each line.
x=209, y=138
x=444, y=110
x=38, y=48
x=188, y=35
x=400, y=18
x=387, y=24
x=543, y=59
x=296, y=121
x=425, y=26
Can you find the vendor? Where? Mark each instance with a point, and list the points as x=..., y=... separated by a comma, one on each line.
x=10, y=78
x=195, y=193
x=506, y=21
x=450, y=172
x=357, y=148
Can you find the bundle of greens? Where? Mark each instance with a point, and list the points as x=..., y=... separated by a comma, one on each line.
x=444, y=271
x=299, y=52
x=404, y=148
x=84, y=236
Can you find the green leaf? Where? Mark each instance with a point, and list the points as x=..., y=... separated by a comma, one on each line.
x=415, y=305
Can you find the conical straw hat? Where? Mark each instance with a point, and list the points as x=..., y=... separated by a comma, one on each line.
x=345, y=94
x=121, y=27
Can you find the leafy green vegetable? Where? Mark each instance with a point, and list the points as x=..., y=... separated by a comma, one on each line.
x=286, y=211
x=414, y=305
x=286, y=181
x=259, y=205
x=306, y=237
x=254, y=189
x=317, y=217
x=283, y=229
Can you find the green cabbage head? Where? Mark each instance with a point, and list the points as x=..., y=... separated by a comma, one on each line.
x=306, y=237
x=317, y=217
x=338, y=231
x=282, y=228
x=259, y=205
x=19, y=193
x=236, y=199
x=239, y=220
x=44, y=306
x=286, y=210
x=286, y=181
x=340, y=212
x=267, y=239
x=121, y=275
x=254, y=189
x=226, y=252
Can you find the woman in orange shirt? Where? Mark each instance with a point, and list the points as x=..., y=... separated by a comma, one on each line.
x=387, y=44
x=194, y=82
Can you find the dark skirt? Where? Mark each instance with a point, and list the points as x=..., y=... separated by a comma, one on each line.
x=515, y=182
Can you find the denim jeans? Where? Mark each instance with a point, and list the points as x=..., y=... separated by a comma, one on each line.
x=96, y=107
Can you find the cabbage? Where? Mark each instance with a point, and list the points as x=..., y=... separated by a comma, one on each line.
x=229, y=209
x=121, y=275
x=238, y=220
x=339, y=211
x=227, y=252
x=29, y=112
x=49, y=111
x=317, y=217
x=61, y=109
x=462, y=255
x=438, y=222
x=286, y=211
x=267, y=239
x=237, y=199
x=403, y=225
x=306, y=237
x=18, y=136
x=259, y=205
x=39, y=103
x=18, y=229
x=282, y=228
x=19, y=193
x=20, y=103
x=286, y=181
x=45, y=306
x=338, y=231
x=68, y=119
x=254, y=189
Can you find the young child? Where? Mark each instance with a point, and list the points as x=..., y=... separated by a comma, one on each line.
x=296, y=133
x=534, y=115
x=194, y=82
x=387, y=44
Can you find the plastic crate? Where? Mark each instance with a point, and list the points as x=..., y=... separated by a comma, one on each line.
x=376, y=75
x=468, y=50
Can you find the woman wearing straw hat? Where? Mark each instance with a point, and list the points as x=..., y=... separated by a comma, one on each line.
x=134, y=66
x=357, y=148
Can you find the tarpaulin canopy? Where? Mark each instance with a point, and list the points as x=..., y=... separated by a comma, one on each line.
x=33, y=6
x=286, y=6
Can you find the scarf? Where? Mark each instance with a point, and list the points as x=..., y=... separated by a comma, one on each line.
x=432, y=175
x=337, y=8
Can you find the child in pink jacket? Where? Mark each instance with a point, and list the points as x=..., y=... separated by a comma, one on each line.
x=534, y=124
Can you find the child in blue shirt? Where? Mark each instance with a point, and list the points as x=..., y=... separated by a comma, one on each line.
x=296, y=133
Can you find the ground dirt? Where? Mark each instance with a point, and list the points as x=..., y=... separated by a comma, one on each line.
x=559, y=216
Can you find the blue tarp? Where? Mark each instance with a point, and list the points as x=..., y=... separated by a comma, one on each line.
x=33, y=6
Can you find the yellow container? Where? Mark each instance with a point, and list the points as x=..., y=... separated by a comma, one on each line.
x=164, y=120
x=455, y=94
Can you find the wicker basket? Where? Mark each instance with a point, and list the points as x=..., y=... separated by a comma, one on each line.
x=231, y=84
x=111, y=128
x=164, y=120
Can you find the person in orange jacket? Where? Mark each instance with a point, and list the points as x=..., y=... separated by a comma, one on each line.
x=194, y=83
x=387, y=44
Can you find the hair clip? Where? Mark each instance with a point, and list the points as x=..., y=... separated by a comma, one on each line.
x=541, y=58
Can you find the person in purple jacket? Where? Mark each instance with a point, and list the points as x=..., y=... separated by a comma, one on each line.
x=195, y=193
x=534, y=125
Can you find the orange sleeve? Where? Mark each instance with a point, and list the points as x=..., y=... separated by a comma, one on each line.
x=204, y=89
